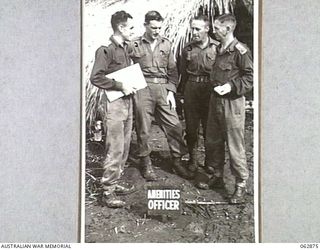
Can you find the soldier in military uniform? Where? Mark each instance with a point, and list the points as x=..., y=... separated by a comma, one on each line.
x=232, y=77
x=118, y=114
x=196, y=62
x=155, y=57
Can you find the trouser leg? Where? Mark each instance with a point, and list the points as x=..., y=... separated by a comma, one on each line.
x=117, y=139
x=127, y=129
x=235, y=117
x=238, y=161
x=192, y=115
x=203, y=105
x=215, y=138
x=144, y=108
x=197, y=96
x=114, y=152
x=169, y=123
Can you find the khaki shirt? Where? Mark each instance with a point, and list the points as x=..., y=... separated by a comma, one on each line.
x=107, y=60
x=158, y=63
x=196, y=61
x=234, y=66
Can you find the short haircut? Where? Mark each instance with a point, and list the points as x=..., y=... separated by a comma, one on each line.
x=202, y=18
x=228, y=19
x=120, y=17
x=153, y=16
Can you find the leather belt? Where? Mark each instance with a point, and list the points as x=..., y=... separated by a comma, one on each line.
x=156, y=80
x=199, y=78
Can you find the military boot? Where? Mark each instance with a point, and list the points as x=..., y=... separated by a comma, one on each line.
x=216, y=182
x=238, y=195
x=147, y=169
x=179, y=169
x=213, y=183
x=111, y=200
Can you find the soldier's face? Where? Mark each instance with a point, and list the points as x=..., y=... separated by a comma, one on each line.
x=127, y=30
x=199, y=30
x=153, y=29
x=220, y=30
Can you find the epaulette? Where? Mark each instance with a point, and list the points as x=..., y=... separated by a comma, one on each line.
x=104, y=48
x=242, y=49
x=107, y=44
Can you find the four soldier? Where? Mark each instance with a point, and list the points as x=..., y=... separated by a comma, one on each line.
x=214, y=78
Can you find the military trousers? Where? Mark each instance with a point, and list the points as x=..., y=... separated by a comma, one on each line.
x=226, y=119
x=150, y=103
x=196, y=103
x=118, y=128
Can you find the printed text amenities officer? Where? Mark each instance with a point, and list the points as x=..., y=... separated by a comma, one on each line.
x=232, y=77
x=154, y=55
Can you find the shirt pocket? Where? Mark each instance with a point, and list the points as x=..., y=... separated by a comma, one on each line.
x=222, y=72
x=120, y=59
x=209, y=60
x=192, y=61
x=163, y=58
x=137, y=52
x=225, y=67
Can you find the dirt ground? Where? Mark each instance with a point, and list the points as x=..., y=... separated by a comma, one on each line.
x=196, y=223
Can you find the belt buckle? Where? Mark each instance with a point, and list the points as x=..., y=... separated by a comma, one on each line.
x=155, y=80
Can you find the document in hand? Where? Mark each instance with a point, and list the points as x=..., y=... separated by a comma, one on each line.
x=131, y=76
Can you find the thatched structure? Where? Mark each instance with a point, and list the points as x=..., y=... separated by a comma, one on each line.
x=177, y=13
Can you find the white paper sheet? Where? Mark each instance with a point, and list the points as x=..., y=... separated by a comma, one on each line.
x=131, y=76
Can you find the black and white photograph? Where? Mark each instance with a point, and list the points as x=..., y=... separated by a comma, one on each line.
x=144, y=121
x=171, y=129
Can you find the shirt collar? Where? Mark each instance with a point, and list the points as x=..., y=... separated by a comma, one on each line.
x=118, y=41
x=210, y=42
x=231, y=46
x=145, y=39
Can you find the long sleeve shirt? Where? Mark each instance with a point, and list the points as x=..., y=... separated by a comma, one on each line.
x=234, y=66
x=107, y=60
x=196, y=61
x=157, y=63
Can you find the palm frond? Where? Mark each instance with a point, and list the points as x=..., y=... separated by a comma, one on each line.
x=176, y=28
